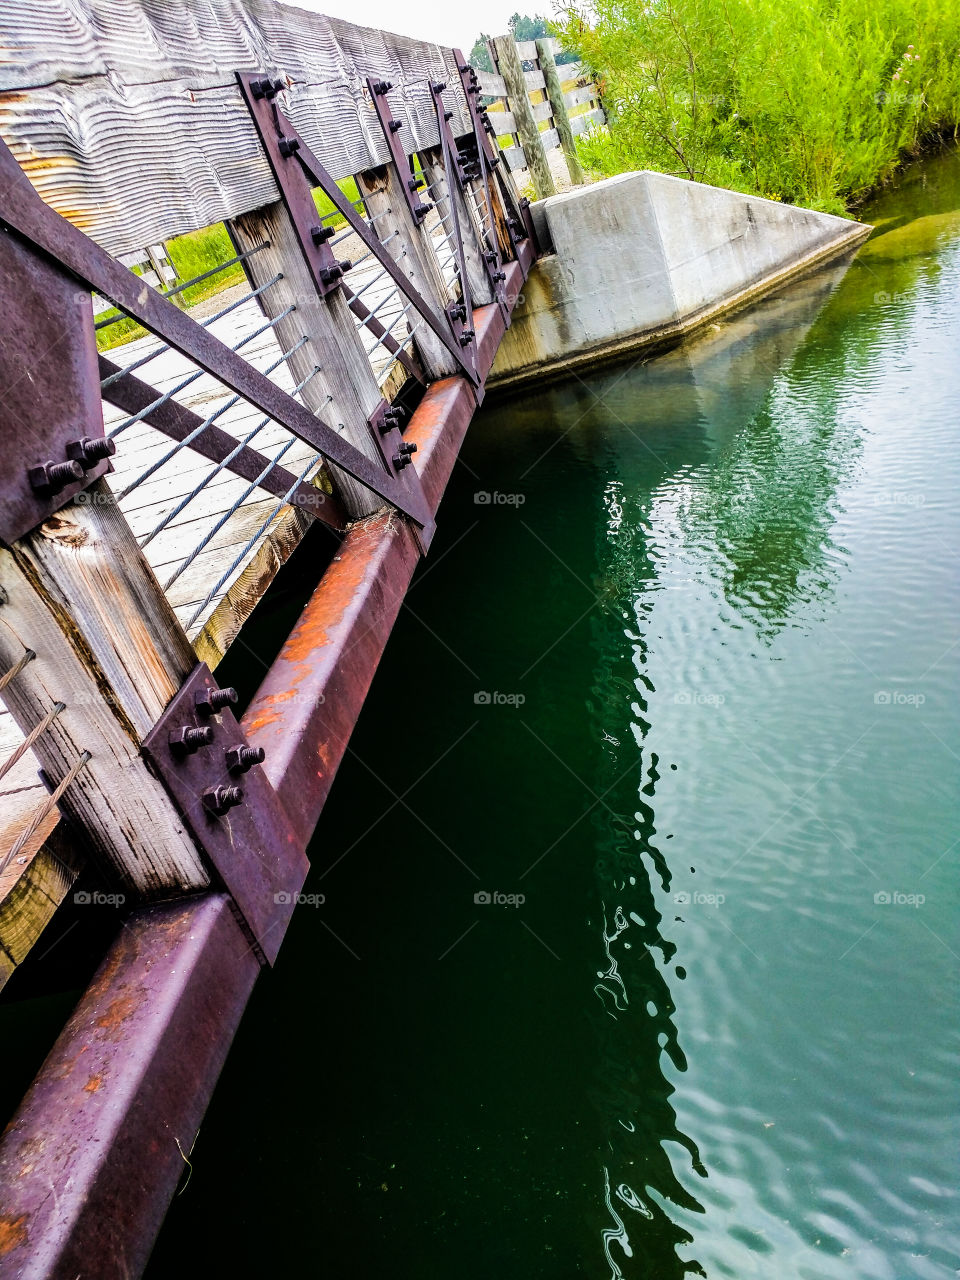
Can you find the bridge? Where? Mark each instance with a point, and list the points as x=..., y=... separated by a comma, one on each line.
x=317, y=378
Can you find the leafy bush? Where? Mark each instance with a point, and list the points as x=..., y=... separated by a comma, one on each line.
x=808, y=101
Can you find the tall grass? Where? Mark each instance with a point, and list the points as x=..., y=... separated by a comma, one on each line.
x=813, y=102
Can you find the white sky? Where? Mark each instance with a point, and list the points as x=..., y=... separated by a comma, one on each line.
x=447, y=22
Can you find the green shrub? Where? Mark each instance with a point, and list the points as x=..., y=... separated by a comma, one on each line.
x=808, y=101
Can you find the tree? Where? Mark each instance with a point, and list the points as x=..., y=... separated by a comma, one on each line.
x=522, y=27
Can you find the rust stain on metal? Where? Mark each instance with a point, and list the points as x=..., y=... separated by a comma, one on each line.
x=117, y=1012
x=13, y=1233
x=93, y=1084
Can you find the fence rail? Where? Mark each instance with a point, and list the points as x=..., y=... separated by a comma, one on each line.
x=562, y=101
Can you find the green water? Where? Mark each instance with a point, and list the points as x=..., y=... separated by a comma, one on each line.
x=701, y=1044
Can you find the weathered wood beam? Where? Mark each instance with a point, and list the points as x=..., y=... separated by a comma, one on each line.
x=561, y=120
x=443, y=190
x=412, y=247
x=508, y=64
x=344, y=391
x=78, y=592
x=130, y=123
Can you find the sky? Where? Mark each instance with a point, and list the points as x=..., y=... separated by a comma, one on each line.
x=448, y=22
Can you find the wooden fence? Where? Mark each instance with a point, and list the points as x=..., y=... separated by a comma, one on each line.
x=539, y=106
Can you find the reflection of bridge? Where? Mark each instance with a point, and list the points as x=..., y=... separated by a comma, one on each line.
x=154, y=489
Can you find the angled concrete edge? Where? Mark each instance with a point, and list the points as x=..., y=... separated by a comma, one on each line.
x=642, y=259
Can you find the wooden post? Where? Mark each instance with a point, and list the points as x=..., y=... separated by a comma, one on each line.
x=478, y=282
x=508, y=64
x=561, y=119
x=78, y=592
x=412, y=247
x=344, y=393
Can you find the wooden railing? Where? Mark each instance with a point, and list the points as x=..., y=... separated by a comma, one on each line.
x=540, y=106
x=236, y=431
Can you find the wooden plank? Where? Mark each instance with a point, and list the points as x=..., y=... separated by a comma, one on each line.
x=504, y=122
x=515, y=158
x=527, y=50
x=550, y=139
x=491, y=84
x=79, y=593
x=589, y=120
x=572, y=72
x=532, y=79
x=541, y=111
x=128, y=120
x=587, y=93
x=506, y=60
x=560, y=118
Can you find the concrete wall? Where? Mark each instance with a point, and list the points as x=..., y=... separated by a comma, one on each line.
x=643, y=258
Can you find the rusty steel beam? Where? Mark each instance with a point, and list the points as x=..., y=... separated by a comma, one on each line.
x=92, y=1158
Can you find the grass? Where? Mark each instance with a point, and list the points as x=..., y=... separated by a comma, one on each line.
x=812, y=102
x=200, y=251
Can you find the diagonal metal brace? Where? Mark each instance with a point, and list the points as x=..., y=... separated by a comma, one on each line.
x=401, y=157
x=283, y=143
x=24, y=212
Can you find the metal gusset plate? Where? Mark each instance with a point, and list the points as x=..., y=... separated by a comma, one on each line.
x=281, y=139
x=401, y=157
x=202, y=756
x=51, y=421
x=22, y=210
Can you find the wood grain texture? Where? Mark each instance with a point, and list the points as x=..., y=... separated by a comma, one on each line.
x=561, y=120
x=126, y=115
x=344, y=392
x=79, y=593
x=508, y=64
x=413, y=249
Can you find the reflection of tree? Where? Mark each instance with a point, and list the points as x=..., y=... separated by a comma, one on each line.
x=634, y=1010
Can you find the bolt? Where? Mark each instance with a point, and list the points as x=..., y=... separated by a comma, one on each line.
x=467, y=337
x=491, y=255
x=473, y=88
x=209, y=701
x=382, y=86
x=330, y=275
x=319, y=234
x=240, y=759
x=394, y=125
x=499, y=275
x=407, y=447
x=88, y=452
x=465, y=68
x=50, y=477
x=278, y=86
x=414, y=183
x=422, y=210
x=260, y=88
x=401, y=460
x=438, y=86
x=448, y=115
x=184, y=742
x=289, y=146
x=219, y=800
